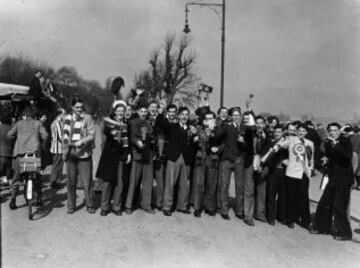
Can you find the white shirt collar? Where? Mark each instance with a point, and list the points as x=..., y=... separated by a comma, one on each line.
x=184, y=126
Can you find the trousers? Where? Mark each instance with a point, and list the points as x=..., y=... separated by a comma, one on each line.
x=113, y=191
x=334, y=202
x=140, y=174
x=81, y=168
x=276, y=195
x=176, y=171
x=57, y=169
x=205, y=186
x=244, y=187
x=260, y=193
x=298, y=204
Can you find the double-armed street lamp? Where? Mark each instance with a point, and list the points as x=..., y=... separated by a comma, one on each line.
x=213, y=7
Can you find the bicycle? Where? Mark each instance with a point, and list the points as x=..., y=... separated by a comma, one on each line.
x=30, y=165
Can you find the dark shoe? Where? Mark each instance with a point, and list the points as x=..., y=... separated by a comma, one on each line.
x=187, y=211
x=128, y=211
x=104, y=212
x=342, y=238
x=249, y=222
x=239, y=216
x=210, y=212
x=38, y=203
x=70, y=211
x=271, y=222
x=167, y=213
x=225, y=217
x=262, y=219
x=90, y=210
x=117, y=212
x=12, y=204
x=150, y=211
x=197, y=213
x=307, y=226
x=315, y=231
x=290, y=225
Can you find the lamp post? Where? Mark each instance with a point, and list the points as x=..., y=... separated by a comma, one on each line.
x=187, y=30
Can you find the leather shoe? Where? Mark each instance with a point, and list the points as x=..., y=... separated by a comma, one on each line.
x=271, y=222
x=167, y=213
x=315, y=231
x=12, y=204
x=210, y=212
x=239, y=216
x=342, y=237
x=117, y=212
x=262, y=219
x=150, y=211
x=183, y=211
x=104, y=212
x=70, y=211
x=128, y=211
x=249, y=222
x=290, y=225
x=197, y=213
x=225, y=217
x=90, y=210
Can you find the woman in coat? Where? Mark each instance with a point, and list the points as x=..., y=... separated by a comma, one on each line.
x=113, y=158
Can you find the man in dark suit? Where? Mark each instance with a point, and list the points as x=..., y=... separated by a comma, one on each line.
x=178, y=154
x=206, y=167
x=262, y=145
x=142, y=164
x=233, y=135
x=335, y=200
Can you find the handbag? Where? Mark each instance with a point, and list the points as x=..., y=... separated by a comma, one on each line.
x=30, y=162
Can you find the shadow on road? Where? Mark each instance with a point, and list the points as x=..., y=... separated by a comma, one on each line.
x=52, y=199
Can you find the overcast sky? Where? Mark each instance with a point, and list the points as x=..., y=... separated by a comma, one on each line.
x=296, y=56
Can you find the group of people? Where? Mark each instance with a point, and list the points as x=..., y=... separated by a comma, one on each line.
x=190, y=163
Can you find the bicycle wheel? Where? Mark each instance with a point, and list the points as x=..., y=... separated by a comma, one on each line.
x=29, y=197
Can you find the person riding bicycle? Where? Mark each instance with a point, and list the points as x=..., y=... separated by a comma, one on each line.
x=30, y=135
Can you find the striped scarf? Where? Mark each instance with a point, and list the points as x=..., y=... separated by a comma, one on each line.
x=56, y=136
x=122, y=135
x=73, y=128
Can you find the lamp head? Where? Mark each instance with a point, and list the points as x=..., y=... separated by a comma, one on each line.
x=186, y=29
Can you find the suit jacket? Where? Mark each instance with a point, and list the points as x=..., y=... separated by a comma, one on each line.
x=179, y=140
x=228, y=134
x=340, y=167
x=355, y=142
x=29, y=134
x=87, y=135
x=141, y=154
x=5, y=144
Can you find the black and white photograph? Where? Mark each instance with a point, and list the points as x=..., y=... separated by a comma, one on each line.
x=179, y=133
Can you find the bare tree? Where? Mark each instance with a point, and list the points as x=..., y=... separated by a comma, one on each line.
x=171, y=73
